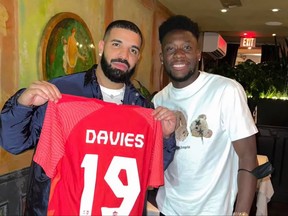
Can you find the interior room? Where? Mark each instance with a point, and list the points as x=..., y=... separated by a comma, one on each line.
x=241, y=39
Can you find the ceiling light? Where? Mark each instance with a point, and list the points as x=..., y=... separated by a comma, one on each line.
x=231, y=3
x=274, y=35
x=273, y=23
x=275, y=10
x=224, y=10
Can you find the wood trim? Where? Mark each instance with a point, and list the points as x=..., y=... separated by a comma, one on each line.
x=109, y=12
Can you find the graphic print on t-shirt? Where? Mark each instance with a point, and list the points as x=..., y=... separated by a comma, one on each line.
x=100, y=156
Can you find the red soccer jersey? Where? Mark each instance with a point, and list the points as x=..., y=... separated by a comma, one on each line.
x=101, y=157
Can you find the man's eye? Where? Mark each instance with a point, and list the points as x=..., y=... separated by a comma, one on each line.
x=169, y=49
x=187, y=48
x=135, y=51
x=115, y=44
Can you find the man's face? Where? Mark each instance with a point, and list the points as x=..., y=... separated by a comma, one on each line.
x=120, y=54
x=115, y=74
x=180, y=56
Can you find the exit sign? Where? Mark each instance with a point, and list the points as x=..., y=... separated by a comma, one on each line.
x=247, y=42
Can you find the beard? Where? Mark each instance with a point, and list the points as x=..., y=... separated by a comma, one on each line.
x=190, y=73
x=114, y=74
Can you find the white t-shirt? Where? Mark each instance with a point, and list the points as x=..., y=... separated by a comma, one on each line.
x=113, y=95
x=202, y=178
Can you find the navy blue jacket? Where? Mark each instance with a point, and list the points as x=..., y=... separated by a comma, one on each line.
x=20, y=129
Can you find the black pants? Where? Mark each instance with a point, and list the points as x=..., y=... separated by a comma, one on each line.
x=161, y=214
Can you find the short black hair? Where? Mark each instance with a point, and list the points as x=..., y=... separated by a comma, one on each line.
x=178, y=22
x=125, y=24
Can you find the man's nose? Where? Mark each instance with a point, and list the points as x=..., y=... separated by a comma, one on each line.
x=124, y=53
x=179, y=52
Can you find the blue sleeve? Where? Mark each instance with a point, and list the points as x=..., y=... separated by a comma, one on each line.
x=20, y=126
x=169, y=150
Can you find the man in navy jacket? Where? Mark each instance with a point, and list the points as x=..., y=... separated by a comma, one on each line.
x=23, y=114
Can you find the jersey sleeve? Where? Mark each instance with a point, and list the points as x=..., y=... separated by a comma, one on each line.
x=157, y=171
x=50, y=147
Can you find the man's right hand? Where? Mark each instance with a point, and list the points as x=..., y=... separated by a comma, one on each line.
x=38, y=93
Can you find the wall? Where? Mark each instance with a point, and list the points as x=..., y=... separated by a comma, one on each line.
x=9, y=66
x=8, y=49
x=158, y=78
x=143, y=17
x=32, y=23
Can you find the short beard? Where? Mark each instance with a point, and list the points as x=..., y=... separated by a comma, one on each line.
x=116, y=75
x=180, y=79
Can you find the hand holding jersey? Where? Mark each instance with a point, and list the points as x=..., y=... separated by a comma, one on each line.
x=38, y=93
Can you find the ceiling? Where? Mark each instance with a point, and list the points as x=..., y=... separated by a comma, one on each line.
x=250, y=17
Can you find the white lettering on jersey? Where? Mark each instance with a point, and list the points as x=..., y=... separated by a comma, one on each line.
x=115, y=138
x=128, y=192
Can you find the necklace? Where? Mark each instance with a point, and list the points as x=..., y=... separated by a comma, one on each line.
x=113, y=95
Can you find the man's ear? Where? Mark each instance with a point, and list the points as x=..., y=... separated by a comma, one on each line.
x=199, y=55
x=101, y=47
x=161, y=57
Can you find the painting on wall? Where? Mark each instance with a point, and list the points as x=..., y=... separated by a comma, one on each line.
x=67, y=46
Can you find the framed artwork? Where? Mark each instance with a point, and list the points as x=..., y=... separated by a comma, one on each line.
x=67, y=46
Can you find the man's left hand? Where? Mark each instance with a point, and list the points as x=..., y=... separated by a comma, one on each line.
x=167, y=118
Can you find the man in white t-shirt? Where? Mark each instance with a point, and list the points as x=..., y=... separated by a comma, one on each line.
x=215, y=132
